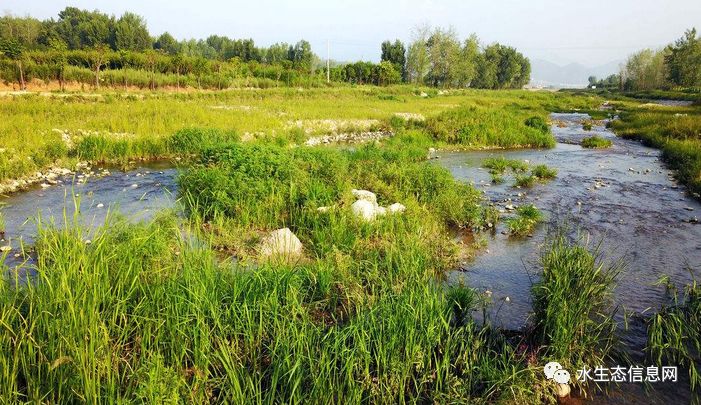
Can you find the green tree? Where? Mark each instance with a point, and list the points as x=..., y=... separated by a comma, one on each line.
x=81, y=29
x=645, y=70
x=395, y=53
x=417, y=56
x=166, y=43
x=444, y=55
x=301, y=55
x=131, y=34
x=60, y=60
x=98, y=58
x=13, y=49
x=683, y=60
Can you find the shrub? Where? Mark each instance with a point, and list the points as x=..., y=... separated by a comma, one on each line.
x=596, y=142
x=527, y=217
x=474, y=126
x=543, y=172
x=525, y=181
x=538, y=123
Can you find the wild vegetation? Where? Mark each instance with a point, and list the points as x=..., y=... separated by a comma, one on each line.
x=596, y=142
x=674, y=333
x=51, y=130
x=525, y=221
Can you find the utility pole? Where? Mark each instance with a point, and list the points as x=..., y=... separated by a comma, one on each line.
x=328, y=61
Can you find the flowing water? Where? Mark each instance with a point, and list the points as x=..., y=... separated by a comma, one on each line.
x=137, y=194
x=622, y=198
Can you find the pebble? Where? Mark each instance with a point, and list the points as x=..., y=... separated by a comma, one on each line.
x=5, y=248
x=134, y=185
x=688, y=208
x=100, y=205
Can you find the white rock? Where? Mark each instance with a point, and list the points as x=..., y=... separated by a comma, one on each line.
x=323, y=210
x=5, y=248
x=364, y=209
x=100, y=205
x=396, y=208
x=365, y=195
x=380, y=211
x=281, y=242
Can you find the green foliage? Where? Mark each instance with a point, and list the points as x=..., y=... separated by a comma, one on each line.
x=537, y=122
x=472, y=126
x=674, y=333
x=524, y=181
x=684, y=60
x=543, y=172
x=587, y=125
x=500, y=164
x=573, y=307
x=525, y=221
x=193, y=140
x=596, y=142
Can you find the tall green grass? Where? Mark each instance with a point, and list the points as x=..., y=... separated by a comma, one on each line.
x=573, y=306
x=674, y=334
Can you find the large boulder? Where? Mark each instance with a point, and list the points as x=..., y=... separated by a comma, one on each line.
x=281, y=243
x=364, y=209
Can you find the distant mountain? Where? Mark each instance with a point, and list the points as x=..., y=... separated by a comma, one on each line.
x=548, y=74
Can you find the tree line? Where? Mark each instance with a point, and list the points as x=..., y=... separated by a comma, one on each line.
x=96, y=48
x=676, y=65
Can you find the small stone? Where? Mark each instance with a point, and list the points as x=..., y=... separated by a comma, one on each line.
x=5, y=248
x=134, y=185
x=488, y=293
x=688, y=208
x=44, y=185
x=100, y=205
x=507, y=299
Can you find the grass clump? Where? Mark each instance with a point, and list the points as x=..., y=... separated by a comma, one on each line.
x=587, y=125
x=500, y=165
x=524, y=180
x=573, y=306
x=596, y=142
x=538, y=123
x=543, y=172
x=480, y=127
x=525, y=221
x=674, y=333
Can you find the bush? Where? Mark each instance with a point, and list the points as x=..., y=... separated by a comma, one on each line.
x=195, y=140
x=527, y=217
x=596, y=142
x=475, y=127
x=543, y=172
x=538, y=123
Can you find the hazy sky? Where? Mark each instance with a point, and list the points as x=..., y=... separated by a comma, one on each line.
x=562, y=31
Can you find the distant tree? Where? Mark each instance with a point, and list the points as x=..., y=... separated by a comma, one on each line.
x=466, y=68
x=81, y=29
x=98, y=58
x=301, y=55
x=25, y=30
x=387, y=74
x=418, y=61
x=444, y=55
x=13, y=49
x=276, y=53
x=166, y=43
x=683, y=60
x=131, y=34
x=645, y=70
x=395, y=53
x=59, y=49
